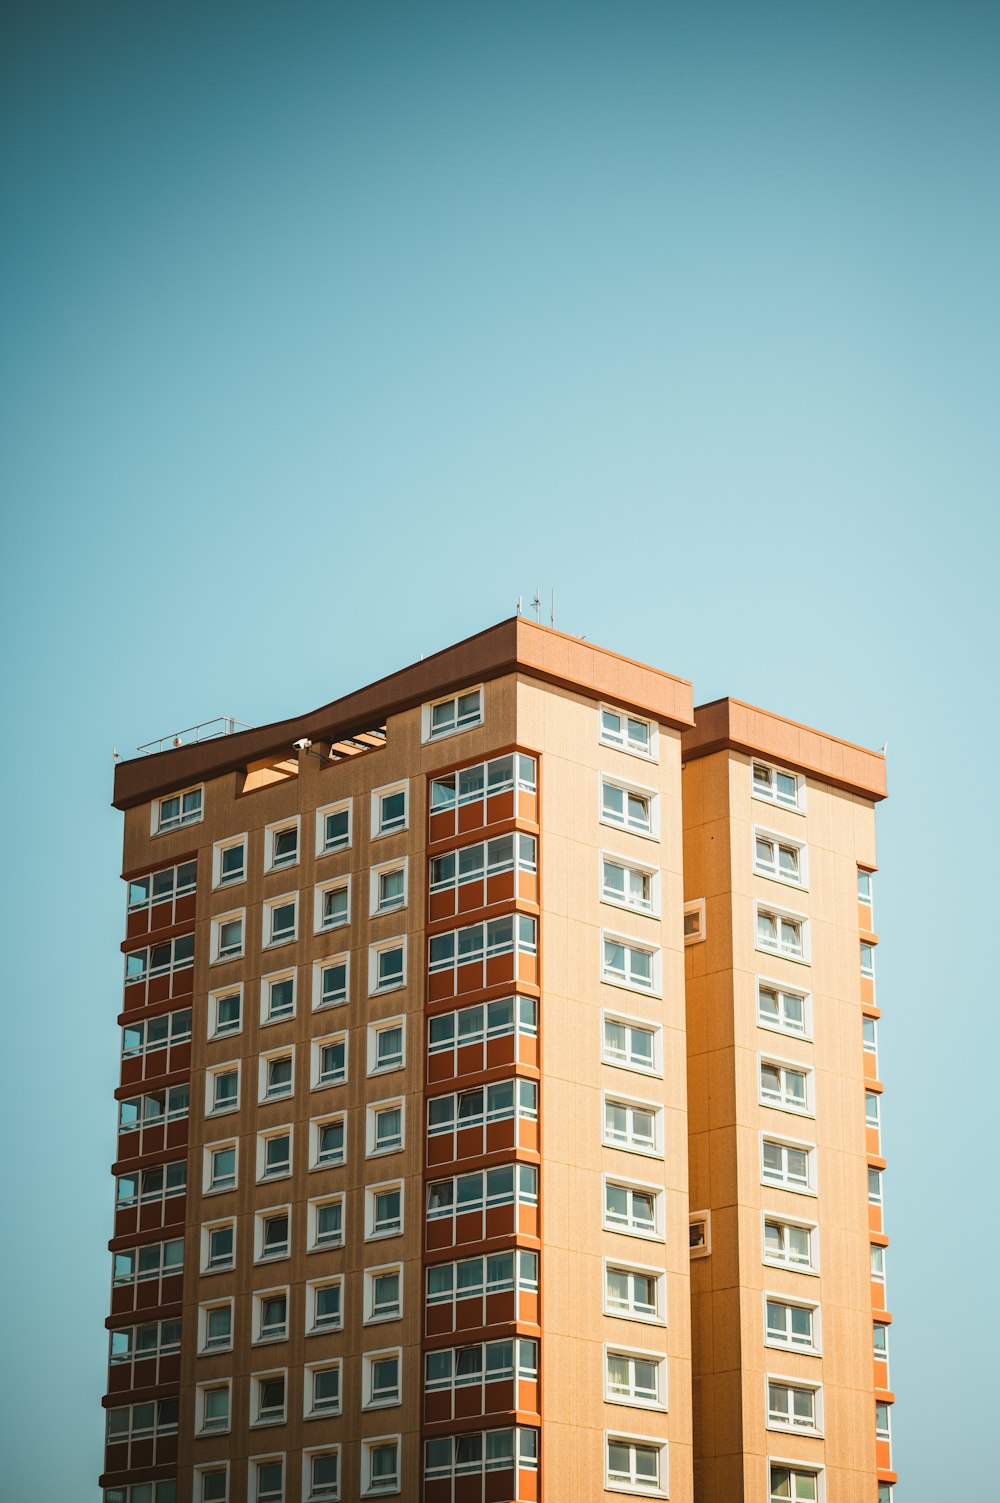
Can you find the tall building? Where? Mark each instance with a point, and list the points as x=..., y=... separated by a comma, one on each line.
x=498, y=1055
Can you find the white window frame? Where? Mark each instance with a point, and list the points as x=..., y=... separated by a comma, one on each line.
x=318, y=1203
x=220, y=993
x=311, y=1454
x=229, y=1067
x=234, y=915
x=869, y=901
x=316, y=1047
x=871, y=1095
x=643, y=1187
x=210, y=1469
x=798, y=807
x=633, y=1354
x=313, y=1287
x=227, y=845
x=635, y=1489
x=392, y=1103
x=385, y=1025
x=624, y=785
x=208, y=1156
x=633, y=1103
x=265, y=1214
x=156, y=825
x=814, y=1387
x=284, y=1129
x=320, y=891
x=367, y=1445
x=368, y=1358
x=343, y=958
x=401, y=864
x=781, y=1064
x=207, y=1228
x=878, y=1199
x=631, y=943
x=330, y=1119
x=254, y=1463
x=269, y=908
x=622, y=742
x=795, y=1464
x=702, y=1249
x=809, y=1149
x=644, y=1025
x=789, y=915
x=287, y=1051
x=815, y=1348
x=256, y=1379
x=427, y=732
x=370, y=1318
x=641, y=868
x=377, y=796
x=397, y=942
x=631, y=1312
x=289, y=973
x=867, y=971
x=768, y=983
x=880, y=1277
x=257, y=1336
x=310, y=1369
x=780, y=1218
x=778, y=838
x=322, y=849
x=204, y=1311
x=371, y=1192
x=201, y=1389
x=698, y=935
x=271, y=831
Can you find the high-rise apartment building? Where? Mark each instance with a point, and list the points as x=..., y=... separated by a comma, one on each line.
x=498, y=1115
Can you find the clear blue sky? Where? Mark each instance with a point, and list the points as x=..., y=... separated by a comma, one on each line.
x=329, y=328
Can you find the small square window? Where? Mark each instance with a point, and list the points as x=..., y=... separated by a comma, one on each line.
x=277, y=997
x=791, y=1244
x=383, y=1211
x=277, y=1075
x=780, y=858
x=270, y=1320
x=324, y=1305
x=380, y=1466
x=700, y=1234
x=632, y=1293
x=785, y=1085
x=632, y=1208
x=332, y=905
x=271, y=1235
x=267, y=1399
x=791, y=1482
x=212, y=1407
x=627, y=885
x=222, y=1093
x=329, y=1060
x=631, y=1044
x=782, y=1009
x=638, y=1465
x=333, y=828
x=791, y=1325
x=325, y=1222
x=794, y=1406
x=385, y=1127
x=329, y=1141
x=281, y=845
x=629, y=732
x=321, y=1475
x=388, y=887
x=267, y=1478
x=459, y=712
x=635, y=1378
x=383, y=1293
x=776, y=786
x=216, y=1327
x=227, y=937
x=218, y=1246
x=387, y=965
x=782, y=933
x=381, y=1380
x=225, y=1012
x=694, y=922
x=274, y=1154
x=386, y=1046
x=628, y=807
x=177, y=810
x=229, y=861
x=220, y=1167
x=212, y=1485
x=390, y=812
x=280, y=920
x=322, y=1389
x=629, y=964
x=790, y=1165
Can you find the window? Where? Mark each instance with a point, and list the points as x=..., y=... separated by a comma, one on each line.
x=869, y=1037
x=281, y=845
x=156, y=1033
x=383, y=1293
x=325, y=1222
x=227, y=937
x=225, y=1012
x=387, y=965
x=280, y=919
x=634, y=1293
x=880, y=1341
x=631, y=1208
x=380, y=1383
x=220, y=1167
x=330, y=981
x=885, y=1492
x=322, y=1389
x=791, y=1325
x=793, y=1484
x=328, y=1141
x=270, y=1315
x=629, y=807
x=778, y=787
x=332, y=905
x=629, y=886
x=782, y=933
x=276, y=1075
x=486, y=859
x=700, y=1234
x=222, y=1089
x=476, y=942
x=786, y=1086
x=321, y=1475
x=267, y=1479
x=475, y=1453
x=380, y=1466
x=626, y=963
x=390, y=809
x=229, y=861
x=630, y=1044
x=383, y=1211
x=324, y=1306
x=159, y=960
x=177, y=810
x=212, y=1484
x=152, y=1110
x=475, y=784
x=882, y=1421
x=638, y=1378
x=874, y=1186
x=872, y=1109
x=868, y=961
x=782, y=1010
x=447, y=716
x=790, y=1165
x=694, y=922
x=637, y=1464
x=152, y=1186
x=212, y=1408
x=277, y=997
x=388, y=887
x=778, y=857
x=274, y=1154
x=474, y=1278
x=268, y=1398
x=385, y=1128
x=878, y=1263
x=162, y=886
x=500, y=1101
x=271, y=1234
x=629, y=732
x=140, y=1421
x=865, y=887
x=479, y=1025
x=386, y=1045
x=329, y=1060
x=791, y=1244
x=215, y=1327
x=218, y=1246
x=158, y=1338
x=153, y=1261
x=333, y=828
x=632, y=1125
x=792, y=1406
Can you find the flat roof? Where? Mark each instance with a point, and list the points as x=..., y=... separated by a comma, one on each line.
x=514, y=645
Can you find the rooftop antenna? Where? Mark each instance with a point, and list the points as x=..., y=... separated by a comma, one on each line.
x=552, y=612
x=518, y=605
x=537, y=604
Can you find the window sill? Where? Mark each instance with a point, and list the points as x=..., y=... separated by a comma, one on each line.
x=634, y=1315
x=621, y=1064
x=780, y=955
x=625, y=1403
x=629, y=986
x=770, y=1184
x=772, y=803
x=803, y=1351
x=781, y=881
x=630, y=751
x=629, y=1231
x=812, y=1273
x=610, y=824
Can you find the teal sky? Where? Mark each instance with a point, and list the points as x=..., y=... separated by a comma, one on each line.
x=330, y=328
